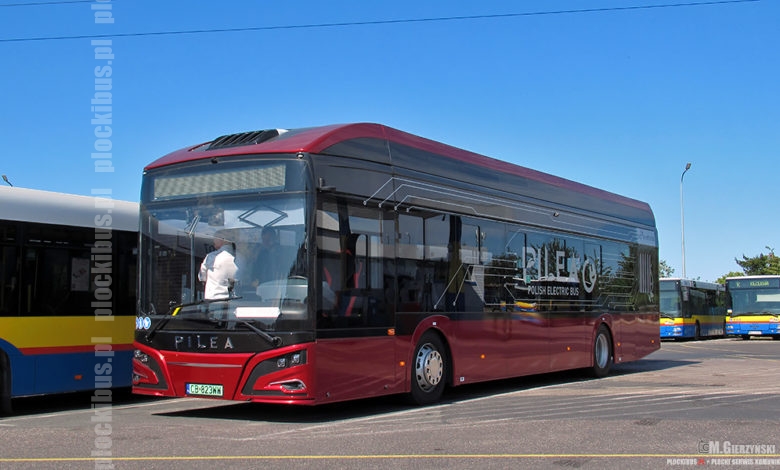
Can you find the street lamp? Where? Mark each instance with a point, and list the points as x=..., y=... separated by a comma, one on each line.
x=682, y=217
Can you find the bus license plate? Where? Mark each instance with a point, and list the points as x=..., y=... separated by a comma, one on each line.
x=754, y=332
x=207, y=390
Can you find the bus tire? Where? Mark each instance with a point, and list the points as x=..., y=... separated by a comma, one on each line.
x=602, y=353
x=746, y=337
x=430, y=369
x=5, y=386
x=5, y=405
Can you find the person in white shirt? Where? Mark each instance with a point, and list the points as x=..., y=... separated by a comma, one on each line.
x=218, y=269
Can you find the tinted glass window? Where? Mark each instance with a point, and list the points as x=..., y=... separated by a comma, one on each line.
x=355, y=244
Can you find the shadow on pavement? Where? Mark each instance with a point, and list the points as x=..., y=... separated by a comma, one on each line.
x=395, y=403
x=72, y=402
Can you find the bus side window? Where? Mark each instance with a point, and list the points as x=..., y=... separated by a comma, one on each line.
x=9, y=281
x=355, y=249
x=351, y=298
x=57, y=277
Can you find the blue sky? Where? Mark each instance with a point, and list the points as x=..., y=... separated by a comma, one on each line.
x=615, y=98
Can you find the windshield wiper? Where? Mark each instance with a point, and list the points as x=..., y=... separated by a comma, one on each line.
x=274, y=341
x=173, y=308
x=156, y=327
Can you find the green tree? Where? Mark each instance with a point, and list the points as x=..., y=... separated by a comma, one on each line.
x=722, y=279
x=664, y=270
x=761, y=264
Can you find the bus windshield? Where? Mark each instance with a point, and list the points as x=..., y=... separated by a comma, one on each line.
x=755, y=301
x=670, y=300
x=239, y=258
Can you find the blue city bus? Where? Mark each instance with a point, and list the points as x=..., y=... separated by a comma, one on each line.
x=753, y=306
x=692, y=309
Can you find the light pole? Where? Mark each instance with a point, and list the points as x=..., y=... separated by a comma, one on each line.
x=682, y=217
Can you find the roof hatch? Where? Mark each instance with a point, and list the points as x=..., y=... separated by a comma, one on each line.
x=244, y=138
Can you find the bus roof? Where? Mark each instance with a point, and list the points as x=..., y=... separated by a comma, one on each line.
x=384, y=144
x=46, y=207
x=694, y=283
x=754, y=276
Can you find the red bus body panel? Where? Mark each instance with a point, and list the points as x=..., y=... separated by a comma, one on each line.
x=347, y=369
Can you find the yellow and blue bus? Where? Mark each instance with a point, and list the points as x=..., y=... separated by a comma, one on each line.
x=691, y=309
x=754, y=306
x=67, y=292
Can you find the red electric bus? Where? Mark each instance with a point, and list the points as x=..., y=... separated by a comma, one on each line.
x=399, y=265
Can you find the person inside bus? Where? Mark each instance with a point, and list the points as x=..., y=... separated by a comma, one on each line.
x=267, y=264
x=219, y=269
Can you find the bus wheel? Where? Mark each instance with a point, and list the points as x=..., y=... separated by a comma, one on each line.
x=602, y=353
x=745, y=337
x=5, y=405
x=5, y=391
x=430, y=370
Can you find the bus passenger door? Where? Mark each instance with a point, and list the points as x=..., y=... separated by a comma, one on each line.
x=355, y=320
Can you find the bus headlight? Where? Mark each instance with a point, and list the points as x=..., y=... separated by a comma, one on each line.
x=291, y=360
x=141, y=356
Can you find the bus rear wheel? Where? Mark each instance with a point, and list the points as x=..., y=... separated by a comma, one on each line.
x=5, y=387
x=602, y=353
x=5, y=405
x=430, y=370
